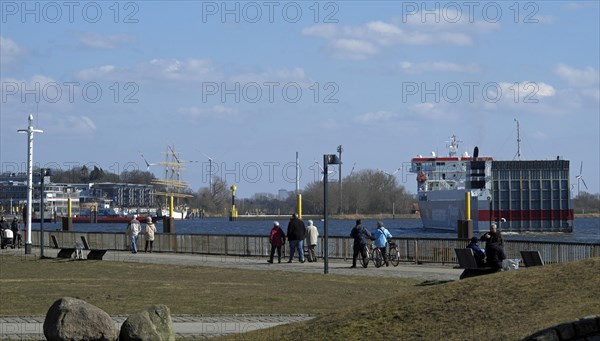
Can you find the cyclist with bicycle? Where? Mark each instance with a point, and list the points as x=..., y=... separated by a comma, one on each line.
x=382, y=235
x=360, y=235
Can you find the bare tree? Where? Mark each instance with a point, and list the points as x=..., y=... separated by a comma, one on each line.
x=365, y=192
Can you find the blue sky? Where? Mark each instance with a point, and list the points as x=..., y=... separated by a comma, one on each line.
x=249, y=84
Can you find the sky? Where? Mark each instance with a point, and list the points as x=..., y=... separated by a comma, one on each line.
x=250, y=84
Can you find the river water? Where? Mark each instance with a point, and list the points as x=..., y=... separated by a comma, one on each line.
x=585, y=230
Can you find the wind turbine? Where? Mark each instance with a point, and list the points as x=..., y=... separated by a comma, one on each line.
x=210, y=160
x=580, y=178
x=352, y=171
x=146, y=161
x=322, y=170
x=391, y=174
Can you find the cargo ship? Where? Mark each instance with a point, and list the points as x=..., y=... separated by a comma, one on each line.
x=520, y=196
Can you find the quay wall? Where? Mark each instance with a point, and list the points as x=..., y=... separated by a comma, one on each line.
x=412, y=250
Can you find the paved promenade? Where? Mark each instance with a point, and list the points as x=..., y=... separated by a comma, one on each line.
x=31, y=328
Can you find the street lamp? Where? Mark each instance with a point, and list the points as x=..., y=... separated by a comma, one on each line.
x=44, y=172
x=328, y=159
x=30, y=131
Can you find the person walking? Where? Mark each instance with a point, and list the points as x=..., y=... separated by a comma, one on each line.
x=296, y=232
x=133, y=230
x=360, y=235
x=277, y=240
x=312, y=237
x=149, y=234
x=382, y=235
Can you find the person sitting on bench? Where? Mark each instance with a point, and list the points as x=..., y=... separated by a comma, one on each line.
x=478, y=252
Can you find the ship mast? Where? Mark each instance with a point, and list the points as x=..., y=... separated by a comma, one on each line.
x=172, y=184
x=518, y=155
x=453, y=146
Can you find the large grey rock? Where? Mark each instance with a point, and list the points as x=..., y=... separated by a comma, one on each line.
x=153, y=324
x=73, y=319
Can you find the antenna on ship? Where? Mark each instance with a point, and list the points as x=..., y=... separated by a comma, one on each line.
x=518, y=156
x=453, y=146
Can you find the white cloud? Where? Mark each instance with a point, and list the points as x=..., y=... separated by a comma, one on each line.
x=578, y=77
x=192, y=72
x=10, y=52
x=374, y=117
x=100, y=41
x=214, y=112
x=73, y=125
x=360, y=42
x=352, y=49
x=321, y=30
x=594, y=94
x=297, y=75
x=440, y=66
x=432, y=112
x=155, y=70
x=522, y=92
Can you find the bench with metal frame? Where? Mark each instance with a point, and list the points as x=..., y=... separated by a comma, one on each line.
x=466, y=260
x=94, y=253
x=532, y=258
x=64, y=252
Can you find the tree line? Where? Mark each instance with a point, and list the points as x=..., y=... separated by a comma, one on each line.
x=364, y=192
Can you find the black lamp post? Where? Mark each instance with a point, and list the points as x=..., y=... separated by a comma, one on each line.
x=44, y=172
x=328, y=159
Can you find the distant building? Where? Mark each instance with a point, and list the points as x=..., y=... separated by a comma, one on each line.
x=263, y=196
x=13, y=194
x=13, y=190
x=283, y=194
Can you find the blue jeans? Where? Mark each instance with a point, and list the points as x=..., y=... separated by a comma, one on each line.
x=297, y=244
x=134, y=244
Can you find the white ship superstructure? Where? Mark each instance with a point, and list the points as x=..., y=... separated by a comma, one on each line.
x=529, y=195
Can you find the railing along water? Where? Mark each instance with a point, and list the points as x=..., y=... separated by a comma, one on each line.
x=413, y=250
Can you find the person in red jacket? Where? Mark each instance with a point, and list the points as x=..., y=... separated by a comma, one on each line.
x=277, y=240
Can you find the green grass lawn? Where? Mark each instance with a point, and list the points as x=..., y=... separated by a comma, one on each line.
x=28, y=286
x=503, y=306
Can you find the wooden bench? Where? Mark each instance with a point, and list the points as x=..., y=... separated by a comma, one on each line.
x=466, y=260
x=532, y=258
x=94, y=253
x=64, y=252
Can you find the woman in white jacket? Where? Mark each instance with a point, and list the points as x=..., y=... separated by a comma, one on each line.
x=149, y=234
x=312, y=237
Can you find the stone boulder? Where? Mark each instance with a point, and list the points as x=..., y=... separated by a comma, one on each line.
x=73, y=319
x=152, y=324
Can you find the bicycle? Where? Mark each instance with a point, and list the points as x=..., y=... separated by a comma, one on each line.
x=394, y=254
x=364, y=261
x=374, y=255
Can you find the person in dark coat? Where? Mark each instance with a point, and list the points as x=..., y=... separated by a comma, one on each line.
x=14, y=226
x=494, y=251
x=478, y=252
x=360, y=236
x=277, y=240
x=296, y=232
x=486, y=236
